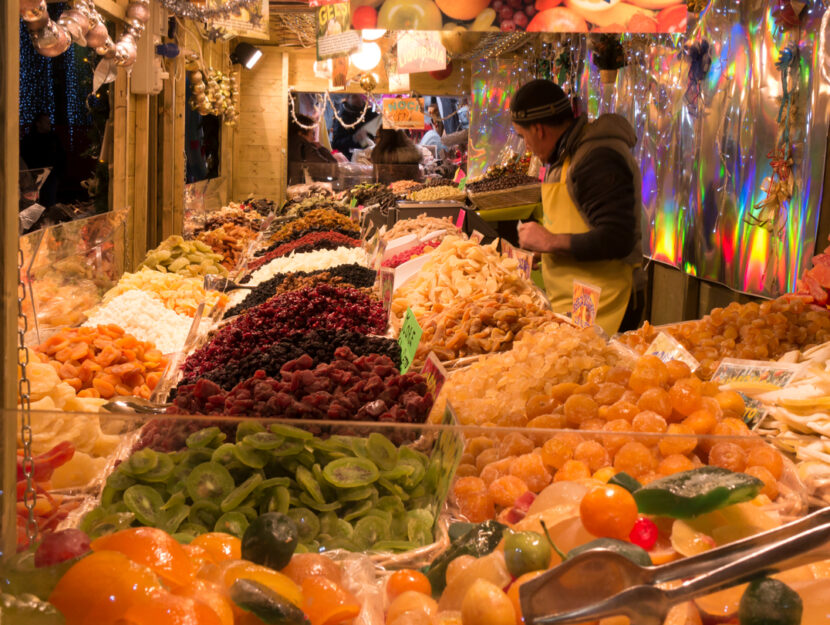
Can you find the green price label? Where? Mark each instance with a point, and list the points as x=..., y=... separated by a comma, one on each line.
x=409, y=339
x=353, y=203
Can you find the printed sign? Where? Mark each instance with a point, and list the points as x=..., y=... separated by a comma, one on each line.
x=251, y=22
x=477, y=237
x=409, y=339
x=459, y=221
x=758, y=375
x=405, y=113
x=585, y=303
x=665, y=16
x=667, y=348
x=421, y=52
x=333, y=35
x=434, y=374
x=387, y=288
x=460, y=176
x=543, y=171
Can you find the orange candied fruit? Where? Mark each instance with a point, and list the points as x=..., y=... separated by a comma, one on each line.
x=656, y=400
x=556, y=452
x=327, y=603
x=579, y=408
x=727, y=456
x=473, y=499
x=762, y=455
x=677, y=443
x=593, y=454
x=770, y=488
x=572, y=471
x=219, y=545
x=635, y=459
x=531, y=470
x=675, y=463
x=506, y=490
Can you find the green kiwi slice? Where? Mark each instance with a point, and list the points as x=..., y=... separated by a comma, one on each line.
x=209, y=480
x=143, y=501
x=351, y=472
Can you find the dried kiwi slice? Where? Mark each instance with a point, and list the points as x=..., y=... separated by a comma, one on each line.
x=194, y=529
x=235, y=498
x=143, y=501
x=381, y=451
x=398, y=474
x=360, y=447
x=394, y=545
x=306, y=480
x=207, y=437
x=169, y=520
x=277, y=500
x=209, y=480
x=162, y=471
x=120, y=480
x=417, y=462
x=351, y=472
x=224, y=454
x=142, y=461
x=289, y=448
x=308, y=525
x=247, y=427
x=204, y=512
x=263, y=440
x=369, y=530
x=289, y=431
x=232, y=523
x=309, y=501
x=392, y=503
x=358, y=494
x=394, y=489
x=358, y=510
x=250, y=456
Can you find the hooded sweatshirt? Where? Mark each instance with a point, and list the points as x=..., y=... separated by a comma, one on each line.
x=604, y=182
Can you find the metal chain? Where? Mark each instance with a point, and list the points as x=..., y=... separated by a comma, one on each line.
x=24, y=390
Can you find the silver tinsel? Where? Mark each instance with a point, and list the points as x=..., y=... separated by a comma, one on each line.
x=183, y=8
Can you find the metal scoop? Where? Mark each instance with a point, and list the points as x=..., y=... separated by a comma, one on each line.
x=132, y=405
x=214, y=282
x=601, y=582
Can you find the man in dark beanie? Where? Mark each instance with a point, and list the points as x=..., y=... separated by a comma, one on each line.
x=590, y=229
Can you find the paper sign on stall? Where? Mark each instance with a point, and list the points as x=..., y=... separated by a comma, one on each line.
x=354, y=210
x=434, y=374
x=387, y=288
x=403, y=113
x=459, y=221
x=421, y=52
x=334, y=37
x=477, y=237
x=409, y=339
x=585, y=303
x=523, y=257
x=667, y=348
x=754, y=375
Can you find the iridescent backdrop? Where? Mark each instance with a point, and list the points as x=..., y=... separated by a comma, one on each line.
x=703, y=170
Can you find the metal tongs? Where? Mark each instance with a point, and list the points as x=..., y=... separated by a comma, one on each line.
x=599, y=583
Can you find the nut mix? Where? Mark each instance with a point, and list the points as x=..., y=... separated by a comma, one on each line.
x=444, y=192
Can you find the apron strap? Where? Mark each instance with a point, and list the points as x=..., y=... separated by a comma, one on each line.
x=564, y=171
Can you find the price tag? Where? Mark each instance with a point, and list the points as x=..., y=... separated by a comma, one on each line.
x=525, y=260
x=354, y=210
x=435, y=374
x=667, y=348
x=543, y=171
x=477, y=236
x=387, y=288
x=459, y=222
x=585, y=303
x=409, y=339
x=459, y=176
x=757, y=376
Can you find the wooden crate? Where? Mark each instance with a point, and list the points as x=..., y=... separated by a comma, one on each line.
x=517, y=196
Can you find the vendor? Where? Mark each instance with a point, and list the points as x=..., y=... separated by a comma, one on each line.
x=303, y=148
x=396, y=157
x=348, y=139
x=591, y=204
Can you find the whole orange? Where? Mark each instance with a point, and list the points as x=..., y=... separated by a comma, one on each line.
x=462, y=11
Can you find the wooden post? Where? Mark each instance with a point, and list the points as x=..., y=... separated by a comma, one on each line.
x=9, y=166
x=142, y=170
x=180, y=100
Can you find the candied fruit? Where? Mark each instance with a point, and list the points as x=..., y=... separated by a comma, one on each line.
x=622, y=410
x=571, y=471
x=675, y=463
x=727, y=456
x=609, y=393
x=635, y=459
x=556, y=452
x=701, y=422
x=762, y=455
x=506, y=490
x=656, y=400
x=579, y=408
x=685, y=399
x=515, y=444
x=593, y=454
x=677, y=444
x=530, y=469
x=770, y=488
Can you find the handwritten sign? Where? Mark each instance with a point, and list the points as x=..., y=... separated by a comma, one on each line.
x=585, y=303
x=409, y=339
x=523, y=257
x=543, y=171
x=354, y=211
x=756, y=374
x=421, y=52
x=667, y=348
x=334, y=38
x=405, y=113
x=459, y=176
x=434, y=374
x=387, y=288
x=459, y=221
x=477, y=236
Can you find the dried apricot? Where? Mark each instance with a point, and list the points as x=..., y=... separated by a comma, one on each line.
x=701, y=422
x=677, y=444
x=562, y=391
x=762, y=455
x=478, y=444
x=556, y=452
x=571, y=471
x=609, y=393
x=540, y=404
x=548, y=421
x=613, y=442
x=622, y=410
x=515, y=444
x=657, y=400
x=486, y=457
x=579, y=408
x=592, y=454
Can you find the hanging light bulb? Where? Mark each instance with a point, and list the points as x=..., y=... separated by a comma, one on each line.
x=372, y=34
x=367, y=57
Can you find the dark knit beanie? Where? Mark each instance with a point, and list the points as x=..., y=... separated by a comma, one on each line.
x=538, y=100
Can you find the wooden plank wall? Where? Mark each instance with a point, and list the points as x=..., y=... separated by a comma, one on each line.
x=259, y=166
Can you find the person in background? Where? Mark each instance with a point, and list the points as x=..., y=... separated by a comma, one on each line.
x=40, y=148
x=347, y=140
x=396, y=157
x=434, y=134
x=591, y=202
x=304, y=148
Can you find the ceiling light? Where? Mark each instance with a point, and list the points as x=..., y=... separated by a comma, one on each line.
x=367, y=57
x=372, y=34
x=247, y=55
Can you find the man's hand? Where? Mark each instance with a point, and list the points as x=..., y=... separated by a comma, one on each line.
x=536, y=238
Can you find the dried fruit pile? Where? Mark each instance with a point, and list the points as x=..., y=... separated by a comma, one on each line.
x=349, y=388
x=320, y=345
x=354, y=275
x=299, y=206
x=189, y=258
x=504, y=181
x=323, y=307
x=230, y=241
x=325, y=240
x=412, y=252
x=444, y=192
x=317, y=220
x=232, y=215
x=103, y=361
x=752, y=331
x=421, y=226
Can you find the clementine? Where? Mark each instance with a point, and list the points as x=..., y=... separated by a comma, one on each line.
x=462, y=10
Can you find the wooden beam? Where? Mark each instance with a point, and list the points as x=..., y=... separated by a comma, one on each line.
x=180, y=98
x=113, y=8
x=138, y=229
x=9, y=166
x=167, y=123
x=153, y=150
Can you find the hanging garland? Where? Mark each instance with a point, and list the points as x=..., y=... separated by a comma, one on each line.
x=84, y=26
x=220, y=96
x=204, y=13
x=770, y=213
x=367, y=82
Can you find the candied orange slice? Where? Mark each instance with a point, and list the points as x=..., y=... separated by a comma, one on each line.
x=169, y=609
x=226, y=573
x=153, y=548
x=220, y=546
x=101, y=587
x=212, y=595
x=327, y=603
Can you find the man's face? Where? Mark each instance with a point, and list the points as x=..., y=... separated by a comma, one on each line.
x=534, y=139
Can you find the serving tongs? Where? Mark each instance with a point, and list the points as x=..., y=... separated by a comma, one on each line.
x=213, y=282
x=601, y=582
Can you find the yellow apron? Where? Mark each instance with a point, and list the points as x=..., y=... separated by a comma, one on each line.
x=614, y=277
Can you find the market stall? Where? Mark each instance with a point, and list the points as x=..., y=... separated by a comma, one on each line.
x=337, y=403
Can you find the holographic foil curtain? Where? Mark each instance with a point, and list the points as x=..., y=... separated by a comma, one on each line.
x=702, y=172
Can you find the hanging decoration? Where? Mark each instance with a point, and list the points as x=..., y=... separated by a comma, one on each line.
x=770, y=213
x=700, y=60
x=220, y=96
x=608, y=55
x=83, y=25
x=368, y=83
x=206, y=12
x=787, y=15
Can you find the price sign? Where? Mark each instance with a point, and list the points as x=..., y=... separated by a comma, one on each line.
x=409, y=339
x=435, y=374
x=525, y=260
x=667, y=348
x=387, y=288
x=334, y=37
x=459, y=176
x=755, y=375
x=377, y=260
x=354, y=211
x=459, y=222
x=543, y=171
x=585, y=303
x=477, y=236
